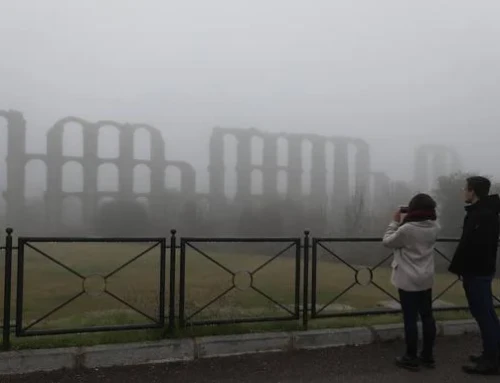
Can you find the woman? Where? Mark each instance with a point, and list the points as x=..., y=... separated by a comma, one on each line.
x=413, y=239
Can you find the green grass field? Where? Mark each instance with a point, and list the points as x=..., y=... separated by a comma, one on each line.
x=47, y=285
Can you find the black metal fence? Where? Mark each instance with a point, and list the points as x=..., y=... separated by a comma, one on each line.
x=278, y=279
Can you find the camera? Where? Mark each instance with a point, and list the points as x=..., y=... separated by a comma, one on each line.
x=403, y=209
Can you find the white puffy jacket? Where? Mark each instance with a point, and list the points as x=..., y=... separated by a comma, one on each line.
x=413, y=245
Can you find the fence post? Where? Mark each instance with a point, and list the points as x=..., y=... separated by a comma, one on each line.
x=171, y=308
x=305, y=303
x=7, y=290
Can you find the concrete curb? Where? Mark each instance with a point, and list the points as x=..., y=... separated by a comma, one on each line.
x=175, y=350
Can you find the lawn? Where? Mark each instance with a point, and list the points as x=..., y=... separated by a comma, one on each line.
x=209, y=273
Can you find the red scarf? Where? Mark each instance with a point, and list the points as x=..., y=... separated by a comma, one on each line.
x=420, y=215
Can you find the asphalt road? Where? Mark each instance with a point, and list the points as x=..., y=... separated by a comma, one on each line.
x=373, y=363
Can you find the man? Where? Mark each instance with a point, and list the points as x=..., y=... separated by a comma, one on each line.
x=475, y=262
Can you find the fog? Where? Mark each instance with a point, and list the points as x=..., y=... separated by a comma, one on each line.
x=396, y=73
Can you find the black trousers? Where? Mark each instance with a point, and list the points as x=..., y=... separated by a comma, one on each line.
x=415, y=304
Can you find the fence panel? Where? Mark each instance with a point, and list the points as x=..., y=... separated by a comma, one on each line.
x=351, y=277
x=79, y=285
x=238, y=280
x=6, y=289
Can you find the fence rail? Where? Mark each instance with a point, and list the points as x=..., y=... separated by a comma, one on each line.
x=241, y=279
x=201, y=281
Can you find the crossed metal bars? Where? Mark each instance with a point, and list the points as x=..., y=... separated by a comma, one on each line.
x=25, y=242
x=290, y=243
x=302, y=248
x=320, y=243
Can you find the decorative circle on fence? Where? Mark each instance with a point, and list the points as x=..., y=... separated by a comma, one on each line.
x=94, y=285
x=242, y=280
x=364, y=276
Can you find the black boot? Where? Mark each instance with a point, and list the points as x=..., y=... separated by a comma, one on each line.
x=427, y=361
x=484, y=366
x=408, y=362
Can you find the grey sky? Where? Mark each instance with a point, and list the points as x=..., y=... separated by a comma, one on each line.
x=384, y=70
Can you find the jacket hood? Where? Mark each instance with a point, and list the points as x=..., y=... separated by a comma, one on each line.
x=492, y=202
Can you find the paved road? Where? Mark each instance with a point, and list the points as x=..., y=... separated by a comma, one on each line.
x=373, y=363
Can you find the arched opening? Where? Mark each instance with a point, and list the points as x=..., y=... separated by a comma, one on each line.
x=142, y=144
x=72, y=211
x=329, y=163
x=103, y=201
x=257, y=150
x=72, y=177
x=35, y=178
x=282, y=185
x=282, y=151
x=108, y=143
x=257, y=182
x=72, y=139
x=173, y=179
x=107, y=178
x=3, y=163
x=142, y=179
x=306, y=151
x=230, y=175
x=351, y=161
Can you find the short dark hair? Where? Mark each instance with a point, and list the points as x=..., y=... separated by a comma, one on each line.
x=422, y=201
x=479, y=185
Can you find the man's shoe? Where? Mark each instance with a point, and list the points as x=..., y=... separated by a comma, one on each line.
x=476, y=358
x=427, y=362
x=483, y=367
x=408, y=362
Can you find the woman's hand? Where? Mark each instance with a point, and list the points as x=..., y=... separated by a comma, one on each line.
x=397, y=216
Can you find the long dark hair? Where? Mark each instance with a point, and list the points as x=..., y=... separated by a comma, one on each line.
x=421, y=208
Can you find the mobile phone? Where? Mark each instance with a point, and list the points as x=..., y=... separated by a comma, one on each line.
x=403, y=209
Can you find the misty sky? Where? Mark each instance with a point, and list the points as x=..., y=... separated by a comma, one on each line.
x=395, y=72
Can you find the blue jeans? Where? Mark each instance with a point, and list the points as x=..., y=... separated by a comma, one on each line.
x=480, y=298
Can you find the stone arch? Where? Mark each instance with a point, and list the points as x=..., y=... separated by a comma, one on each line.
x=72, y=211
x=142, y=179
x=3, y=162
x=108, y=141
x=282, y=145
x=431, y=162
x=257, y=150
x=306, y=164
x=142, y=144
x=257, y=187
x=329, y=164
x=107, y=178
x=173, y=178
x=35, y=175
x=351, y=162
x=72, y=139
x=230, y=161
x=72, y=177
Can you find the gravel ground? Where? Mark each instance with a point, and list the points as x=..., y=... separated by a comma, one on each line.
x=372, y=363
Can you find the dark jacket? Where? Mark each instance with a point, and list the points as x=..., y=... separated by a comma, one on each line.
x=476, y=252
